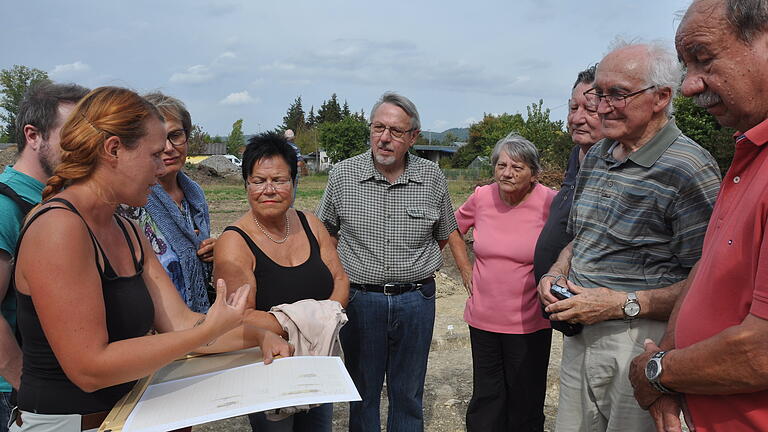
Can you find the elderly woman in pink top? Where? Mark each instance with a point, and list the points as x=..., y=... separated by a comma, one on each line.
x=510, y=337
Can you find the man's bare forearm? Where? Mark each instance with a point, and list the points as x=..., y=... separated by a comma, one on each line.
x=10, y=355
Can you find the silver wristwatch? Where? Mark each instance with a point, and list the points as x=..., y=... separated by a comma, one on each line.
x=653, y=371
x=631, y=307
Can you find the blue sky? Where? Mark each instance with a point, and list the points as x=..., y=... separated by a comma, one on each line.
x=249, y=59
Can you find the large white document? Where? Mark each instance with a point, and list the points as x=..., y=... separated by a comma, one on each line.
x=205, y=389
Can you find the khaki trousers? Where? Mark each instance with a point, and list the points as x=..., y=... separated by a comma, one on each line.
x=48, y=423
x=595, y=392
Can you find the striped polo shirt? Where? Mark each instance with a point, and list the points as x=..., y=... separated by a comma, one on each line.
x=639, y=223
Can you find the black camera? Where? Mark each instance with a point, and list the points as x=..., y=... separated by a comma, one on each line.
x=560, y=292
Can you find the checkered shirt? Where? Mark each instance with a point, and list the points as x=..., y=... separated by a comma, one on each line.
x=387, y=232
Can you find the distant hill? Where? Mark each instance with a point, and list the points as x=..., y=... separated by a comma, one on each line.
x=461, y=134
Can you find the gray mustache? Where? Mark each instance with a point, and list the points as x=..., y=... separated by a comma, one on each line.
x=706, y=99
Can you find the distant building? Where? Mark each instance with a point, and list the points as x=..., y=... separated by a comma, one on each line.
x=317, y=161
x=437, y=152
x=215, y=149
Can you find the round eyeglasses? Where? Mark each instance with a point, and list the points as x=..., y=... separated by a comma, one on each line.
x=178, y=137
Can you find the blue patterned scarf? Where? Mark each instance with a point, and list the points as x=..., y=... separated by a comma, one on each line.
x=182, y=237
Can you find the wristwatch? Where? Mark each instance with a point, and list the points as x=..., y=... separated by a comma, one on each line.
x=653, y=371
x=631, y=307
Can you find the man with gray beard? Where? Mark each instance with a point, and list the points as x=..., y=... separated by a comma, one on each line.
x=713, y=359
x=41, y=115
x=391, y=214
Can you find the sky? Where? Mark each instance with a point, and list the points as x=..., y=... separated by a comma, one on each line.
x=229, y=59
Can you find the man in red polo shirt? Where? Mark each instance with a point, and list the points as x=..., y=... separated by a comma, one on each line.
x=713, y=359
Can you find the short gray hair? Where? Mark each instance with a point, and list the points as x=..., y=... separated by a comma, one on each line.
x=519, y=149
x=404, y=103
x=171, y=108
x=664, y=69
x=748, y=18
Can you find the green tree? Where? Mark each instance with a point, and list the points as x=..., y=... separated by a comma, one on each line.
x=343, y=139
x=294, y=118
x=330, y=111
x=307, y=140
x=13, y=84
x=484, y=134
x=198, y=138
x=547, y=136
x=699, y=125
x=345, y=110
x=236, y=139
x=311, y=120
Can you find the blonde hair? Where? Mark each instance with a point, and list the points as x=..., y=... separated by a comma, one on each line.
x=102, y=113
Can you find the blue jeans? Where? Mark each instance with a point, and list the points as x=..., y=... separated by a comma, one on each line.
x=5, y=410
x=318, y=419
x=388, y=336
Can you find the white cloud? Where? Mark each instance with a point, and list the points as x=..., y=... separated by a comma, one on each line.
x=193, y=75
x=239, y=98
x=469, y=122
x=77, y=66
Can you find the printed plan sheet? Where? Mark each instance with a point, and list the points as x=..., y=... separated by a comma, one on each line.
x=174, y=399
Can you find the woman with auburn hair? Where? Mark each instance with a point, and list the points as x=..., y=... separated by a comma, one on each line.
x=90, y=291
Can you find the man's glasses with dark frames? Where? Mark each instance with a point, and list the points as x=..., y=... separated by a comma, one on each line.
x=379, y=129
x=615, y=100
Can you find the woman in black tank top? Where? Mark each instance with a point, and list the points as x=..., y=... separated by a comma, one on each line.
x=88, y=293
x=286, y=254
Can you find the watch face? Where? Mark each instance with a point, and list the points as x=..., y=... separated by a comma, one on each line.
x=632, y=309
x=651, y=369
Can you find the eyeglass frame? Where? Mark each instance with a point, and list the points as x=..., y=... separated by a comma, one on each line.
x=263, y=186
x=186, y=137
x=623, y=98
x=391, y=129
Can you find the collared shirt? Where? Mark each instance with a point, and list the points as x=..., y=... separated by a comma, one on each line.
x=554, y=236
x=639, y=224
x=31, y=190
x=388, y=232
x=731, y=280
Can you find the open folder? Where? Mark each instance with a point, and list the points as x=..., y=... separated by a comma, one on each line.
x=202, y=389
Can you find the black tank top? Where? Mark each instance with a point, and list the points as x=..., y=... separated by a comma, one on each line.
x=276, y=284
x=45, y=388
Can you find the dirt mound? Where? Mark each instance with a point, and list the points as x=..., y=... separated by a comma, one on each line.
x=7, y=157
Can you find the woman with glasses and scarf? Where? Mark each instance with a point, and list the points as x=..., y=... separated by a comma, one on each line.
x=286, y=255
x=176, y=219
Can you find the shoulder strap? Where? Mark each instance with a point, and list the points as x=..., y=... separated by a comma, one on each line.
x=313, y=244
x=255, y=250
x=138, y=265
x=106, y=270
x=23, y=205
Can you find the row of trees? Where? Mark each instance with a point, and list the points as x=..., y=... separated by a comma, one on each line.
x=337, y=130
x=343, y=133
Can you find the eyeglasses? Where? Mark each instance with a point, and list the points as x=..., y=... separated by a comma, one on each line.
x=378, y=129
x=177, y=137
x=259, y=185
x=616, y=100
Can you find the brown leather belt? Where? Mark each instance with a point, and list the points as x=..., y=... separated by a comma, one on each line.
x=87, y=421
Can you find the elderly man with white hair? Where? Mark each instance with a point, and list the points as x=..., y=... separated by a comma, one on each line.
x=641, y=206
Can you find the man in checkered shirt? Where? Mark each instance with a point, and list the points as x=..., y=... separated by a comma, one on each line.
x=391, y=214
